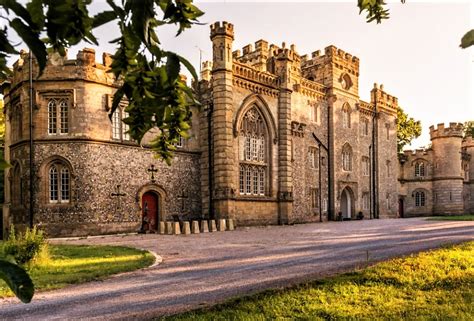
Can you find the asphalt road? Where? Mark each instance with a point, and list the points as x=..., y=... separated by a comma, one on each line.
x=204, y=269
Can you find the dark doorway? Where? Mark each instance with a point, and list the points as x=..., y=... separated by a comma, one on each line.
x=401, y=207
x=150, y=210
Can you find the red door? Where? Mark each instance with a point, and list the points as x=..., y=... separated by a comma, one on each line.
x=150, y=211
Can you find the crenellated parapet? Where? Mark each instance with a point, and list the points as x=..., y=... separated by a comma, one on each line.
x=332, y=55
x=383, y=101
x=223, y=28
x=58, y=67
x=441, y=131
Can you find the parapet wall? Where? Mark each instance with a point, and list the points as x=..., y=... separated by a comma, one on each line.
x=453, y=130
x=332, y=55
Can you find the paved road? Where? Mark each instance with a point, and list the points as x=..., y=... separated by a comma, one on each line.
x=199, y=270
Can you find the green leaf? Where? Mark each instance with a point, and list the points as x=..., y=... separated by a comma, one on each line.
x=467, y=40
x=5, y=45
x=19, y=10
x=172, y=66
x=17, y=280
x=32, y=41
x=189, y=67
x=4, y=164
x=103, y=18
x=35, y=8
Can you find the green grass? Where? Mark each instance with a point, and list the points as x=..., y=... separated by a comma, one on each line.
x=467, y=217
x=435, y=285
x=71, y=264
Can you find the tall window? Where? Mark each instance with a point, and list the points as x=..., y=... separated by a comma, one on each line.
x=387, y=164
x=58, y=116
x=419, y=169
x=365, y=201
x=365, y=166
x=347, y=157
x=419, y=199
x=313, y=157
x=119, y=128
x=314, y=198
x=16, y=186
x=59, y=183
x=313, y=112
x=365, y=126
x=253, y=154
x=387, y=129
x=346, y=116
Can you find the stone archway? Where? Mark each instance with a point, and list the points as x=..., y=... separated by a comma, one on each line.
x=347, y=203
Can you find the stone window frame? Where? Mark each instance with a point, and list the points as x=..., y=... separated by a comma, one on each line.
x=365, y=160
x=62, y=126
x=313, y=112
x=420, y=168
x=314, y=196
x=119, y=128
x=313, y=158
x=346, y=116
x=61, y=164
x=16, y=185
x=365, y=126
x=419, y=198
x=347, y=155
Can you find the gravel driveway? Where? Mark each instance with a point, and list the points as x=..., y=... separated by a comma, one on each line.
x=200, y=270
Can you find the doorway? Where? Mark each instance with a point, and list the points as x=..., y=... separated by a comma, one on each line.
x=346, y=204
x=401, y=207
x=150, y=211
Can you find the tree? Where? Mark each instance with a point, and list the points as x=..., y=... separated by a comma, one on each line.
x=376, y=11
x=407, y=129
x=468, y=129
x=156, y=94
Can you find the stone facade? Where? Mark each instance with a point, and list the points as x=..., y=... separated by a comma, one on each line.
x=438, y=180
x=281, y=138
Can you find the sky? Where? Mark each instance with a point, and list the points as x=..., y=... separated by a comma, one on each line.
x=415, y=53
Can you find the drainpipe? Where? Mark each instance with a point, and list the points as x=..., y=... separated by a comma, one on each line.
x=209, y=157
x=371, y=215
x=320, y=144
x=31, y=138
x=374, y=160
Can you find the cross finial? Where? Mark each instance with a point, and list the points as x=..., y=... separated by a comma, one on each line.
x=152, y=170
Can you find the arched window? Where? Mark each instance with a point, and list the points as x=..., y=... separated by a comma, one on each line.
x=364, y=126
x=365, y=166
x=420, y=199
x=253, y=153
x=59, y=183
x=346, y=116
x=119, y=128
x=419, y=169
x=347, y=157
x=389, y=171
x=58, y=116
x=16, y=186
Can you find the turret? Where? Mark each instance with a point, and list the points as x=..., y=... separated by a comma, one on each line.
x=222, y=36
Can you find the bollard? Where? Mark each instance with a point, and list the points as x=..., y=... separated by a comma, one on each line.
x=212, y=226
x=230, y=224
x=169, y=228
x=176, y=228
x=162, y=228
x=204, y=226
x=221, y=225
x=195, y=227
x=186, y=228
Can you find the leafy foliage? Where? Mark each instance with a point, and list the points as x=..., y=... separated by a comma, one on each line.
x=151, y=83
x=407, y=129
x=467, y=40
x=26, y=247
x=468, y=129
x=17, y=280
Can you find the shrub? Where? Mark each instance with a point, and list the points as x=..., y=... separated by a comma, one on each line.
x=26, y=248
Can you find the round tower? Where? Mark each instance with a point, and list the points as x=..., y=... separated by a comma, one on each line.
x=447, y=171
x=468, y=148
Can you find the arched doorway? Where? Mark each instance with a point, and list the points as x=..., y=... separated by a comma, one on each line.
x=346, y=204
x=401, y=207
x=150, y=211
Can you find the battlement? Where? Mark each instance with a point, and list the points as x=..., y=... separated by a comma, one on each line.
x=382, y=99
x=411, y=154
x=441, y=131
x=223, y=28
x=332, y=55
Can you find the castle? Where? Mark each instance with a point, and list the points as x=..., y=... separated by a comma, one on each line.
x=281, y=139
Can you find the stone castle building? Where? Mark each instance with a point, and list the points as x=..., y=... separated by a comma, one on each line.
x=438, y=180
x=281, y=138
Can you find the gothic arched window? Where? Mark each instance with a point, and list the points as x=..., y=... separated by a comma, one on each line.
x=420, y=199
x=16, y=186
x=347, y=157
x=58, y=116
x=419, y=169
x=253, y=137
x=346, y=116
x=59, y=183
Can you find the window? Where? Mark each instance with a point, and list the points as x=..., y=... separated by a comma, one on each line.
x=347, y=157
x=314, y=198
x=16, y=186
x=365, y=201
x=313, y=112
x=346, y=116
x=388, y=168
x=419, y=169
x=253, y=154
x=365, y=166
x=387, y=129
x=325, y=205
x=313, y=157
x=119, y=128
x=365, y=126
x=59, y=183
x=179, y=143
x=387, y=198
x=58, y=116
x=419, y=199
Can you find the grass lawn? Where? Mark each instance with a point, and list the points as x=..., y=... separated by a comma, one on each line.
x=435, y=285
x=72, y=264
x=467, y=217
